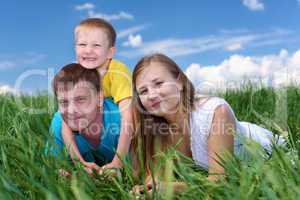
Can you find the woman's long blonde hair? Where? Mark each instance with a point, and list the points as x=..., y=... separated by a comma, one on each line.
x=147, y=138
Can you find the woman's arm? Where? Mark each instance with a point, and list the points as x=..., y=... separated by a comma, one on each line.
x=220, y=140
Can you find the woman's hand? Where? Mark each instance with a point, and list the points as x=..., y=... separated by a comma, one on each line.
x=139, y=191
x=161, y=187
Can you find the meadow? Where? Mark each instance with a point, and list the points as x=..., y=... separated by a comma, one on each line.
x=27, y=173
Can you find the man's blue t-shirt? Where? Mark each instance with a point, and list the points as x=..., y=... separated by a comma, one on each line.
x=105, y=151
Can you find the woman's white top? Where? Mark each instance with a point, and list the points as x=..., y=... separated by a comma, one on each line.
x=201, y=122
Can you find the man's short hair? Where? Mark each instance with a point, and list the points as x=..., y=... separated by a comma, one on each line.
x=74, y=73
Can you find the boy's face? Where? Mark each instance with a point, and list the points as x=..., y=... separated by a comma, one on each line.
x=79, y=104
x=92, y=48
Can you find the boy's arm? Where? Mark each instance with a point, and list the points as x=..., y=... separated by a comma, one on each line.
x=70, y=143
x=125, y=132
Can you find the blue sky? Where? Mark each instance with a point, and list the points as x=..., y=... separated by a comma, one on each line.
x=212, y=40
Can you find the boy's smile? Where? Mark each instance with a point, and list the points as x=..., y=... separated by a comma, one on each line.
x=92, y=48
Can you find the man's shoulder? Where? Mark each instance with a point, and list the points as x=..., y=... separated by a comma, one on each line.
x=109, y=106
x=111, y=114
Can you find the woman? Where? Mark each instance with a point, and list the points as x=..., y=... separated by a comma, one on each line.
x=203, y=127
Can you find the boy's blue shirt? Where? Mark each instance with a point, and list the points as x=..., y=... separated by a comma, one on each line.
x=105, y=151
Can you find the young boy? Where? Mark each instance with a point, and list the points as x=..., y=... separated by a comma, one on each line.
x=95, y=48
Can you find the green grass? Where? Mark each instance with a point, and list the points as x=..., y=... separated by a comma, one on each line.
x=26, y=173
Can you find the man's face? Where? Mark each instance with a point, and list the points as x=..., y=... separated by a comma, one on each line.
x=79, y=104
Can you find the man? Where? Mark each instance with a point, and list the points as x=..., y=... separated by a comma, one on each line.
x=95, y=121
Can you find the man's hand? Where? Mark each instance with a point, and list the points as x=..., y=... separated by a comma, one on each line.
x=64, y=173
x=112, y=165
x=90, y=167
x=111, y=169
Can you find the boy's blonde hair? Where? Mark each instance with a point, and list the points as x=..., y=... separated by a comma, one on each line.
x=93, y=23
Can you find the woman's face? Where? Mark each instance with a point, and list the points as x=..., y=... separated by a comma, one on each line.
x=158, y=90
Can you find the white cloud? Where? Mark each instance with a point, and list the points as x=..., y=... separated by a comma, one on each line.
x=254, y=5
x=28, y=59
x=33, y=58
x=85, y=6
x=234, y=47
x=4, y=89
x=126, y=32
x=173, y=47
x=226, y=41
x=120, y=15
x=273, y=70
x=234, y=31
x=90, y=8
x=133, y=41
x=4, y=65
